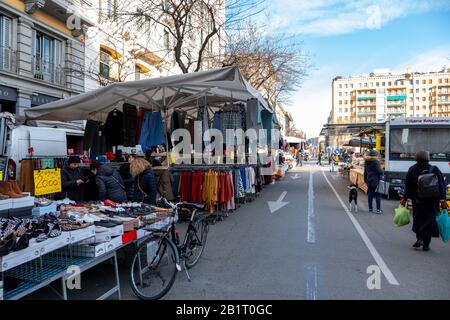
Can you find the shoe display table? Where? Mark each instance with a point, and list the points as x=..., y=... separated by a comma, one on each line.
x=63, y=259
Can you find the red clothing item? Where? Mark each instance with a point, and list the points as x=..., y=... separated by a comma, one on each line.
x=185, y=186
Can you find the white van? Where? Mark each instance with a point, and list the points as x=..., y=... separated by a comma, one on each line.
x=45, y=143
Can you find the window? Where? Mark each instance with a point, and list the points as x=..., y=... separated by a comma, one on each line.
x=47, y=58
x=340, y=110
x=417, y=82
x=424, y=81
x=105, y=63
x=111, y=9
x=424, y=99
x=411, y=91
x=346, y=110
x=346, y=86
x=5, y=43
x=340, y=86
x=424, y=90
x=424, y=107
x=430, y=81
x=365, y=85
x=166, y=39
x=351, y=85
x=340, y=102
x=417, y=90
x=383, y=84
x=390, y=84
x=340, y=94
x=378, y=84
x=440, y=80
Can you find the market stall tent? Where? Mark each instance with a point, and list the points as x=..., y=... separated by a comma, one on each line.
x=160, y=94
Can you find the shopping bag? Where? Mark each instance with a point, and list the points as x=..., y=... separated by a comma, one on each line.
x=280, y=172
x=443, y=222
x=401, y=217
x=383, y=188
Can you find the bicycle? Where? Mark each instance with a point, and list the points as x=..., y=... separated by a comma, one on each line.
x=157, y=260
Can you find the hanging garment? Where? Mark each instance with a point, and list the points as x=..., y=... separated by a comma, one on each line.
x=140, y=121
x=176, y=183
x=253, y=115
x=240, y=187
x=130, y=122
x=217, y=120
x=230, y=205
x=267, y=121
x=26, y=182
x=152, y=131
x=178, y=120
x=114, y=132
x=185, y=186
x=94, y=139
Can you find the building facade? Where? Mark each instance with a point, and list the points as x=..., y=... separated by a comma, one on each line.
x=383, y=95
x=41, y=53
x=121, y=49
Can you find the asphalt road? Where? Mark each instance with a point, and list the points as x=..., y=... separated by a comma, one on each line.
x=311, y=248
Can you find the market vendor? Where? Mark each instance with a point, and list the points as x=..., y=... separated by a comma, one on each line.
x=73, y=180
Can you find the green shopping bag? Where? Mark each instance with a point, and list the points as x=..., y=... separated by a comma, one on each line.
x=443, y=222
x=401, y=217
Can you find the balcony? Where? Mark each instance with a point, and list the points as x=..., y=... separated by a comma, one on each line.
x=367, y=104
x=48, y=72
x=396, y=104
x=8, y=59
x=396, y=112
x=444, y=102
x=395, y=98
x=366, y=113
x=366, y=97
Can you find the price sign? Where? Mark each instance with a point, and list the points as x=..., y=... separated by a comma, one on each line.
x=47, y=181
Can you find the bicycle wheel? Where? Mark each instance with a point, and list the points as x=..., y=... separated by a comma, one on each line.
x=196, y=242
x=154, y=269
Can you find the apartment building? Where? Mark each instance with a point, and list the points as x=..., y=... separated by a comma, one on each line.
x=383, y=95
x=41, y=54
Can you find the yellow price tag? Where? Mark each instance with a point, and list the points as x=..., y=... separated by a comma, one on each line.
x=47, y=181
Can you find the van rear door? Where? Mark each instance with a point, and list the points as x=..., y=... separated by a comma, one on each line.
x=48, y=142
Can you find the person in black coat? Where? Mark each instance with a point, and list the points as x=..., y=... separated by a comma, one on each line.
x=424, y=211
x=128, y=180
x=110, y=185
x=73, y=180
x=145, y=181
x=372, y=176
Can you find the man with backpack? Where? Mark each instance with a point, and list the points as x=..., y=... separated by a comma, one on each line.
x=426, y=188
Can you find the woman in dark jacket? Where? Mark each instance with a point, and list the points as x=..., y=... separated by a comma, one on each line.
x=73, y=180
x=145, y=182
x=128, y=180
x=424, y=211
x=372, y=176
x=110, y=185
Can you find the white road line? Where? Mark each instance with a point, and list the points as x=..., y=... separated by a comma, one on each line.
x=378, y=259
x=311, y=216
x=311, y=281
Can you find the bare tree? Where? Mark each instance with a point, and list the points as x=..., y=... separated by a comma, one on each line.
x=274, y=64
x=196, y=26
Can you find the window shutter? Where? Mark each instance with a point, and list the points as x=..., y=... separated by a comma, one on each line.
x=6, y=53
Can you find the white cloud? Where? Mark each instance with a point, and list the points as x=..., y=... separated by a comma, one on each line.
x=430, y=60
x=333, y=17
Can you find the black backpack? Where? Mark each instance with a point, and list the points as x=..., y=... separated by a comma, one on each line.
x=428, y=185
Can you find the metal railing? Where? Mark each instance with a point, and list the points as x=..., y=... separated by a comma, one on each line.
x=47, y=71
x=8, y=59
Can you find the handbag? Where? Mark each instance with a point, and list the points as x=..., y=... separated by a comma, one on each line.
x=443, y=222
x=383, y=188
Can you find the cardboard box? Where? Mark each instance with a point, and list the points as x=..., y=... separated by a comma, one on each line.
x=141, y=233
x=117, y=231
x=41, y=211
x=82, y=234
x=129, y=237
x=23, y=202
x=6, y=204
x=113, y=244
x=89, y=250
x=17, y=258
x=53, y=244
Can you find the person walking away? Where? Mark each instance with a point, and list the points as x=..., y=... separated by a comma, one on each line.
x=331, y=163
x=110, y=184
x=372, y=176
x=145, y=182
x=73, y=180
x=320, y=159
x=425, y=207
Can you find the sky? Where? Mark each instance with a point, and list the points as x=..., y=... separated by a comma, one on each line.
x=355, y=37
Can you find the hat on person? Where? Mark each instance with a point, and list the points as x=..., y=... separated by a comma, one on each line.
x=74, y=159
x=373, y=153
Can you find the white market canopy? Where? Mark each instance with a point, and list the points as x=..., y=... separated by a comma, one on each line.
x=186, y=90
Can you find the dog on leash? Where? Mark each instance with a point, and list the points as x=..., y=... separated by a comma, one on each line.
x=353, y=197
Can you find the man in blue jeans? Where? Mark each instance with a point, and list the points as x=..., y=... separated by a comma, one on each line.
x=372, y=176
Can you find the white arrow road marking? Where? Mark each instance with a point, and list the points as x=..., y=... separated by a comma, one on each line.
x=311, y=215
x=378, y=259
x=277, y=205
x=295, y=177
